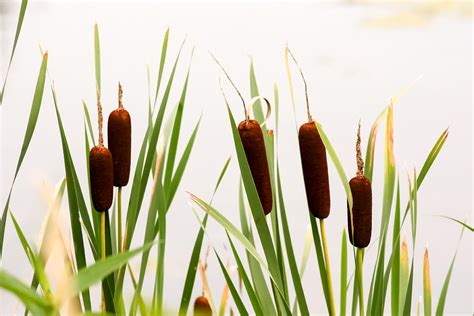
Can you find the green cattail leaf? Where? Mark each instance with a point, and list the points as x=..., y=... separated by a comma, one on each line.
x=232, y=229
x=257, y=307
x=97, y=58
x=35, y=260
x=304, y=262
x=426, y=284
x=164, y=49
x=87, y=277
x=21, y=16
x=444, y=290
x=30, y=128
x=369, y=156
x=178, y=174
x=257, y=106
x=193, y=261
x=36, y=304
x=258, y=279
x=235, y=294
x=377, y=298
x=404, y=273
x=343, y=290
x=75, y=200
x=299, y=291
x=395, y=280
x=459, y=222
x=135, y=203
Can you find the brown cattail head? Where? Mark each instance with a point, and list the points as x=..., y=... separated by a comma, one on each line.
x=254, y=147
x=202, y=307
x=315, y=170
x=361, y=211
x=119, y=130
x=101, y=177
x=362, y=204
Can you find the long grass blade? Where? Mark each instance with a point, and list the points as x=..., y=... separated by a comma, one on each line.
x=444, y=290
x=33, y=302
x=235, y=294
x=395, y=280
x=193, y=261
x=164, y=49
x=343, y=290
x=30, y=128
x=97, y=57
x=93, y=274
x=426, y=284
x=299, y=291
x=257, y=307
x=21, y=16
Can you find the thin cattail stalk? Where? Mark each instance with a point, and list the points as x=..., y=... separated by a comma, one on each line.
x=310, y=118
x=119, y=219
x=102, y=244
x=332, y=306
x=360, y=260
x=100, y=119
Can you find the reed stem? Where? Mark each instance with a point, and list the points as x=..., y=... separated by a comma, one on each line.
x=332, y=306
x=119, y=220
x=360, y=259
x=102, y=244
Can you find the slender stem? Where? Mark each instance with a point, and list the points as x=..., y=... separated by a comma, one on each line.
x=102, y=244
x=119, y=220
x=332, y=305
x=360, y=259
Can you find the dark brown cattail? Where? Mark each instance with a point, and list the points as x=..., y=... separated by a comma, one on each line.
x=202, y=307
x=313, y=161
x=101, y=171
x=119, y=130
x=362, y=204
x=254, y=147
x=315, y=170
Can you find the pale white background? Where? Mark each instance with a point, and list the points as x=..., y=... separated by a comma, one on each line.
x=352, y=67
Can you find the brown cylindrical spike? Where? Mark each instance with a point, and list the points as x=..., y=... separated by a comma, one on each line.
x=202, y=307
x=362, y=204
x=254, y=147
x=101, y=177
x=361, y=211
x=315, y=170
x=119, y=130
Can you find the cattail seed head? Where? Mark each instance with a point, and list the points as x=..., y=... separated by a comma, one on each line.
x=119, y=130
x=361, y=211
x=254, y=147
x=315, y=170
x=101, y=177
x=202, y=307
x=361, y=189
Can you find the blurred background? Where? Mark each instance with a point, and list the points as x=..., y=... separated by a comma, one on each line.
x=355, y=55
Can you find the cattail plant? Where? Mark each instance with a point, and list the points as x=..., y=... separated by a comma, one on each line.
x=315, y=175
x=360, y=223
x=102, y=180
x=251, y=136
x=359, y=218
x=119, y=131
